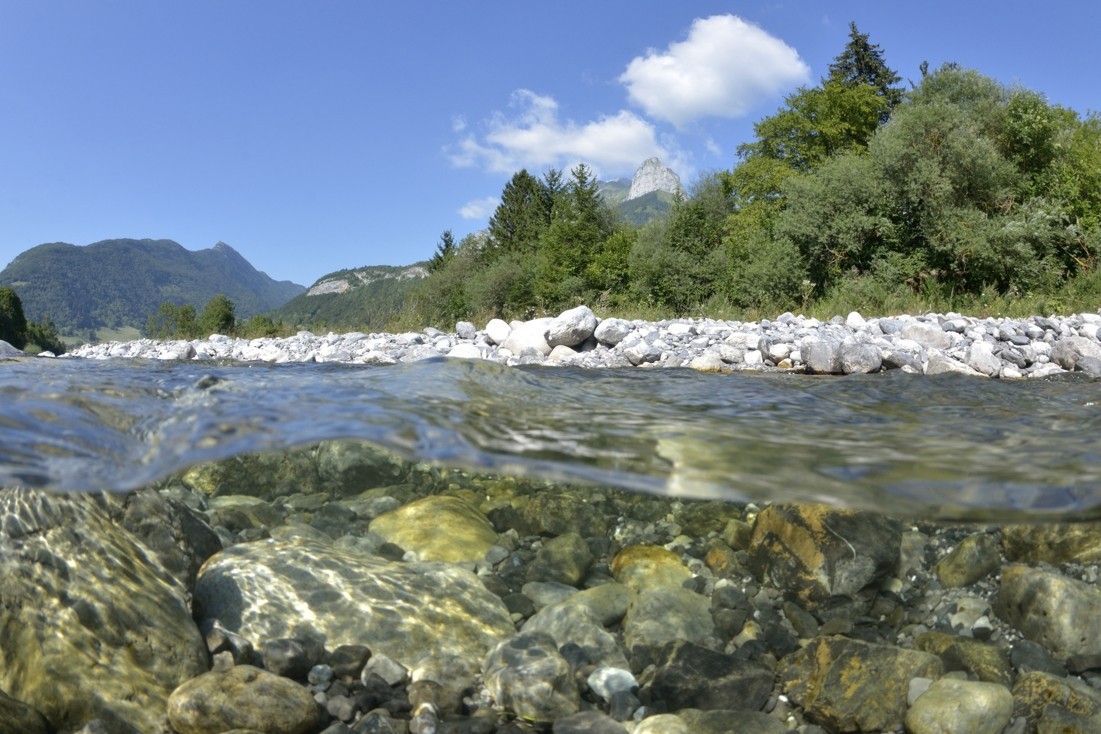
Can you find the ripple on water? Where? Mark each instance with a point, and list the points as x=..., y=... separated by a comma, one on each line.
x=945, y=446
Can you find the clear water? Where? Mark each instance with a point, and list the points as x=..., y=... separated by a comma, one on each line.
x=946, y=446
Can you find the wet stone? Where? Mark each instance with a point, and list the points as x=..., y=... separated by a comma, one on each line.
x=984, y=661
x=17, y=717
x=819, y=552
x=665, y=614
x=643, y=566
x=271, y=589
x=975, y=558
x=663, y=724
x=1058, y=612
x=693, y=676
x=951, y=705
x=527, y=676
x=587, y=722
x=848, y=685
x=718, y=721
x=1053, y=543
x=1035, y=693
x=94, y=627
x=286, y=657
x=438, y=528
x=243, y=697
x=578, y=625
x=564, y=559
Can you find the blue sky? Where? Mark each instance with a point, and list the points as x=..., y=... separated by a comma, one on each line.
x=315, y=136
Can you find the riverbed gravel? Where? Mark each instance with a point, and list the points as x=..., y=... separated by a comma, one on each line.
x=1037, y=346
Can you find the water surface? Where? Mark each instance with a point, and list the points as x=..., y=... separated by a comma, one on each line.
x=944, y=446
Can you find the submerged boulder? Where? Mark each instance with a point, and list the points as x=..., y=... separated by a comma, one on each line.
x=94, y=626
x=407, y=611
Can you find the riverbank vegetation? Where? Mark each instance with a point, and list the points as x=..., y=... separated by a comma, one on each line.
x=956, y=193
x=31, y=336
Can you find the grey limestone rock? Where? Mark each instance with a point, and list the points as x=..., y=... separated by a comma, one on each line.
x=822, y=357
x=571, y=327
x=930, y=336
x=698, y=677
x=859, y=357
x=610, y=332
x=653, y=175
x=529, y=335
x=1068, y=351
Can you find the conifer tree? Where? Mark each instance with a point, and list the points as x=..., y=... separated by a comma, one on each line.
x=862, y=63
x=445, y=250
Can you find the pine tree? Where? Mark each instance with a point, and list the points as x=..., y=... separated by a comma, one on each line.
x=521, y=216
x=862, y=63
x=445, y=250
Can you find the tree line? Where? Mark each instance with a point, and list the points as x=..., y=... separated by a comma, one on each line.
x=31, y=336
x=956, y=193
x=218, y=316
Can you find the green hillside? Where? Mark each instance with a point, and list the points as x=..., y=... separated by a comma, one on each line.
x=364, y=299
x=118, y=283
x=646, y=207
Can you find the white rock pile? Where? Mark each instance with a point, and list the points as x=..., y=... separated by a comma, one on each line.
x=930, y=344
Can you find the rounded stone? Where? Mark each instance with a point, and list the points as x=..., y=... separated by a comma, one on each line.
x=973, y=559
x=658, y=615
x=571, y=327
x=662, y=724
x=243, y=697
x=438, y=528
x=951, y=705
x=527, y=676
x=646, y=566
x=565, y=559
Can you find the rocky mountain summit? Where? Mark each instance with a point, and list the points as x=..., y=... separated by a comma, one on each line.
x=653, y=175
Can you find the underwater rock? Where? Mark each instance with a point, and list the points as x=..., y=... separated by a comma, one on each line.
x=94, y=626
x=438, y=528
x=527, y=676
x=303, y=589
x=848, y=685
x=961, y=705
x=242, y=697
x=819, y=551
x=1058, y=612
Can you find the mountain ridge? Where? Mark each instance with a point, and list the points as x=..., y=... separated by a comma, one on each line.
x=118, y=283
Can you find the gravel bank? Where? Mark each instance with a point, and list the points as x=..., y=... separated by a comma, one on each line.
x=930, y=344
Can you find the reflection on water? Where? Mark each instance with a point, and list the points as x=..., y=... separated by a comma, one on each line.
x=948, y=446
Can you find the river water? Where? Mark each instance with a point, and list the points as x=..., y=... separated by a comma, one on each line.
x=937, y=447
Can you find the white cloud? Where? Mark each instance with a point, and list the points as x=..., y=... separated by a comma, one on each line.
x=724, y=68
x=458, y=123
x=534, y=136
x=712, y=147
x=479, y=208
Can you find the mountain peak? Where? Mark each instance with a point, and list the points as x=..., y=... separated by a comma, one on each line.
x=653, y=175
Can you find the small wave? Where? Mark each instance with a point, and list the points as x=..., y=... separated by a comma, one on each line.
x=945, y=446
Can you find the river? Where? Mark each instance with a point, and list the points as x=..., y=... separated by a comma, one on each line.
x=949, y=446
